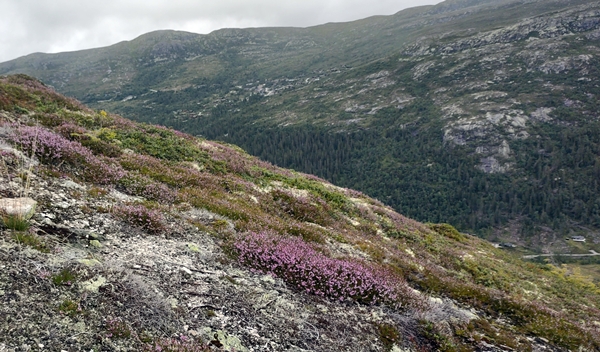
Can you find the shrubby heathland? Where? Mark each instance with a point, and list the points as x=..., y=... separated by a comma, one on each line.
x=144, y=238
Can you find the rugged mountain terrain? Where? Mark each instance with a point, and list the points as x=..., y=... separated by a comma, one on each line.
x=483, y=114
x=145, y=238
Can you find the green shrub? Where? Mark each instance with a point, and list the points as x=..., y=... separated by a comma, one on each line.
x=220, y=225
x=70, y=308
x=448, y=231
x=439, y=339
x=302, y=208
x=100, y=147
x=96, y=192
x=388, y=334
x=15, y=223
x=334, y=199
x=307, y=234
x=65, y=277
x=150, y=220
x=107, y=134
x=160, y=143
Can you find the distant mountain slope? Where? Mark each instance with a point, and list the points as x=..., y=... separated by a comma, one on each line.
x=480, y=113
x=145, y=238
x=269, y=52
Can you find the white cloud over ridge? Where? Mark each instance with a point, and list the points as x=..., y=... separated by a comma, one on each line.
x=29, y=26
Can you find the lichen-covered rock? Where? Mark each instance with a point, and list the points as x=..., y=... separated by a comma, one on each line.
x=225, y=341
x=95, y=243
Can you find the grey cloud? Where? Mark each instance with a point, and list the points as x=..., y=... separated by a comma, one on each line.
x=62, y=25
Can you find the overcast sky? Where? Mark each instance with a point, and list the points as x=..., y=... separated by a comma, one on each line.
x=50, y=26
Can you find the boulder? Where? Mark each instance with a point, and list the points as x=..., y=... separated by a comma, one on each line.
x=21, y=207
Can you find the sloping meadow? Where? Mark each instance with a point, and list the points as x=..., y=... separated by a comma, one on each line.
x=324, y=241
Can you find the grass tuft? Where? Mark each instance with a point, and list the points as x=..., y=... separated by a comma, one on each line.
x=31, y=240
x=66, y=277
x=15, y=223
x=70, y=308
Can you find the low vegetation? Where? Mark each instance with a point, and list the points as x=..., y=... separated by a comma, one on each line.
x=475, y=113
x=304, y=267
x=325, y=242
x=15, y=223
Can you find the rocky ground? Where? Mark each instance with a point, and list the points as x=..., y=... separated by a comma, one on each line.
x=90, y=282
x=95, y=283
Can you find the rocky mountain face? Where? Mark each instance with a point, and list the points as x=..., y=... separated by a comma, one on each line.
x=479, y=113
x=119, y=236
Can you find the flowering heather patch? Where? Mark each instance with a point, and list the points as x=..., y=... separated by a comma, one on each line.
x=121, y=123
x=102, y=170
x=181, y=344
x=8, y=157
x=237, y=160
x=300, y=265
x=140, y=185
x=46, y=145
x=116, y=328
x=55, y=149
x=150, y=220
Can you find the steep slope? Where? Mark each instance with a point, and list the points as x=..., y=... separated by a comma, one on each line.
x=480, y=130
x=479, y=113
x=147, y=238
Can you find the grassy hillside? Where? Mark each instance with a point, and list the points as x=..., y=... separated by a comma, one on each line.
x=145, y=237
x=482, y=114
